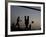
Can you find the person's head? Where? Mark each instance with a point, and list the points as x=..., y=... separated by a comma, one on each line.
x=32, y=21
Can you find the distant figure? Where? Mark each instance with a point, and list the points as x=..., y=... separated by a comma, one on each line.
x=29, y=27
x=17, y=24
x=32, y=22
x=26, y=21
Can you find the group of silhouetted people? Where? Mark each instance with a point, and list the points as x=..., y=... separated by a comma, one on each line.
x=14, y=28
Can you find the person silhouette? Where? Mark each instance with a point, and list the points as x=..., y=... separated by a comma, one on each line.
x=30, y=27
x=17, y=24
x=26, y=21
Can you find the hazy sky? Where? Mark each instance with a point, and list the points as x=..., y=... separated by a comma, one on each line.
x=34, y=15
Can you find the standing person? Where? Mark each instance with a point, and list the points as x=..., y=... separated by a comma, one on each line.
x=26, y=21
x=30, y=25
x=17, y=24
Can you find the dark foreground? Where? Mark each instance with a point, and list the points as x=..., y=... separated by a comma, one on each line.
x=14, y=28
